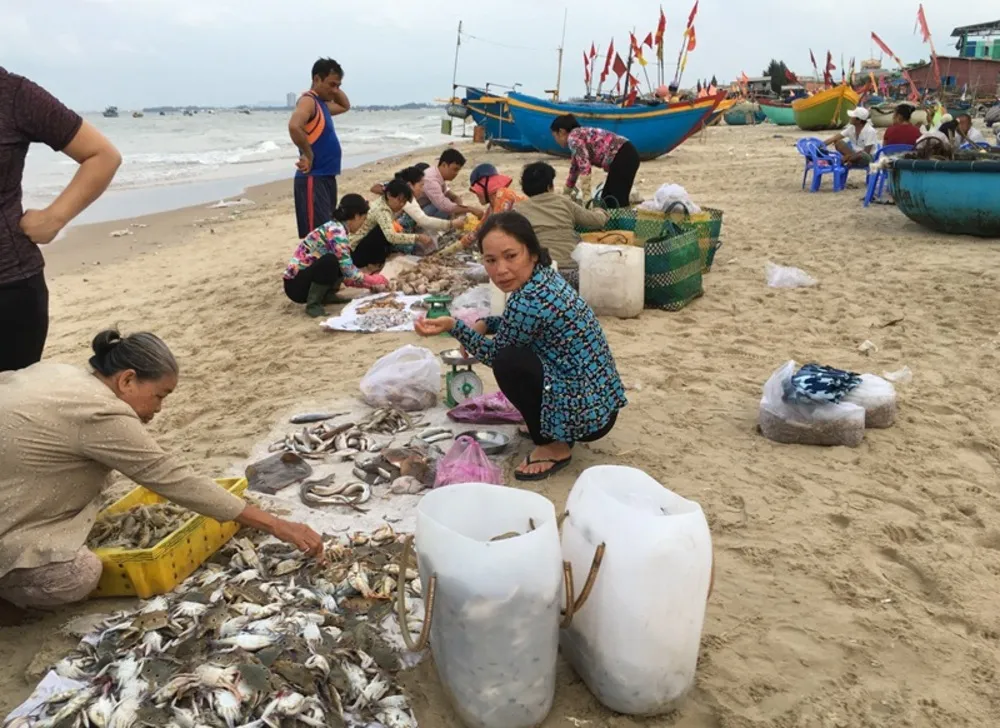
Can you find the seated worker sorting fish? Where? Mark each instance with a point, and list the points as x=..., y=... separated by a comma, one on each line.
x=588, y=147
x=412, y=218
x=494, y=193
x=323, y=261
x=548, y=352
x=63, y=429
x=379, y=187
x=439, y=201
x=377, y=238
x=555, y=218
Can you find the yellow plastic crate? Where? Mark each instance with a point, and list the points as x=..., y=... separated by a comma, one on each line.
x=148, y=572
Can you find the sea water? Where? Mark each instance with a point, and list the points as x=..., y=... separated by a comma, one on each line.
x=174, y=160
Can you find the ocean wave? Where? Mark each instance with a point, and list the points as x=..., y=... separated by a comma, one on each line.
x=210, y=158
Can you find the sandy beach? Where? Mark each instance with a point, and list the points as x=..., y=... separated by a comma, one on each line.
x=854, y=587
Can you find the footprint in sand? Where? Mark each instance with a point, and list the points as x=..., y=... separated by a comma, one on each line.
x=905, y=574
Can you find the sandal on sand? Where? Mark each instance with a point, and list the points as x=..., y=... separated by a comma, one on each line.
x=557, y=465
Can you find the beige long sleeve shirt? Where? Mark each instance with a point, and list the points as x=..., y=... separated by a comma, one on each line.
x=62, y=432
x=555, y=219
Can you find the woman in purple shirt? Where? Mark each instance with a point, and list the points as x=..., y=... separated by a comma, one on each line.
x=591, y=147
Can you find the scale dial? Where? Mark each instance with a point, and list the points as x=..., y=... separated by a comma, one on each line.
x=463, y=385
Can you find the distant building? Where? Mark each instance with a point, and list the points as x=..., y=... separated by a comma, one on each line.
x=290, y=98
x=981, y=74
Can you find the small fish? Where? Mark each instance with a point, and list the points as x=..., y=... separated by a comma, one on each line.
x=310, y=417
x=248, y=642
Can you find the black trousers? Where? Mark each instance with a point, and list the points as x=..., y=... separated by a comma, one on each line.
x=315, y=200
x=325, y=271
x=24, y=322
x=520, y=376
x=373, y=249
x=621, y=176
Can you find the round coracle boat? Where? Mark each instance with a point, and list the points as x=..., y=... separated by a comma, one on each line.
x=955, y=197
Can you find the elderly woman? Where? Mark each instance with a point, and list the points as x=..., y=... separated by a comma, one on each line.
x=63, y=429
x=591, y=147
x=548, y=351
x=378, y=238
x=555, y=218
x=322, y=261
x=493, y=191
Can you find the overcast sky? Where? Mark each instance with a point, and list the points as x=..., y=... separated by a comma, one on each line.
x=135, y=53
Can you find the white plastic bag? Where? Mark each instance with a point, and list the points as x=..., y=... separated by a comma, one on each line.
x=668, y=195
x=612, y=278
x=878, y=398
x=779, y=276
x=495, y=624
x=408, y=379
x=807, y=423
x=635, y=640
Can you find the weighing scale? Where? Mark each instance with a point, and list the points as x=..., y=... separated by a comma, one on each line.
x=461, y=382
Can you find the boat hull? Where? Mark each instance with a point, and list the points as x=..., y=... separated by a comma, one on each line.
x=653, y=130
x=780, y=114
x=825, y=110
x=958, y=198
x=493, y=114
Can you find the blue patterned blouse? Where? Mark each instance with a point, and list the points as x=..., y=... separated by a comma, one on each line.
x=582, y=387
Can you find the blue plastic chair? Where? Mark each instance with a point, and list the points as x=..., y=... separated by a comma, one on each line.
x=804, y=145
x=875, y=183
x=827, y=161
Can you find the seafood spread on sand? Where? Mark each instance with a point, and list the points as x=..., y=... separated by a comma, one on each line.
x=261, y=636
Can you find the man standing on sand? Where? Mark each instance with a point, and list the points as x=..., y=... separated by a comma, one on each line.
x=311, y=130
x=29, y=113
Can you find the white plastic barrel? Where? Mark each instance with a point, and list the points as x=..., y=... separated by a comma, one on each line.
x=612, y=278
x=495, y=624
x=635, y=641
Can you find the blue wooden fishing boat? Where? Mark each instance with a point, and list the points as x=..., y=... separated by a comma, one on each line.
x=492, y=113
x=654, y=130
x=954, y=197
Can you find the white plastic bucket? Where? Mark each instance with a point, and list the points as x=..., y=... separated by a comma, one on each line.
x=495, y=622
x=635, y=641
x=612, y=278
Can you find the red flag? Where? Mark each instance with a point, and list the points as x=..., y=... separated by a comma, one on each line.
x=607, y=61
x=829, y=62
x=586, y=69
x=648, y=40
x=812, y=57
x=692, y=41
x=791, y=77
x=694, y=11
x=593, y=50
x=661, y=28
x=888, y=51
x=922, y=21
x=619, y=67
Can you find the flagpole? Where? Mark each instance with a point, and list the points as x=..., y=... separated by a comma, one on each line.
x=454, y=73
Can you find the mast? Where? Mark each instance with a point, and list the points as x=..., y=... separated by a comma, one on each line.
x=454, y=73
x=562, y=43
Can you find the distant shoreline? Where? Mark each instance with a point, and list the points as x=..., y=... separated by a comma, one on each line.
x=411, y=106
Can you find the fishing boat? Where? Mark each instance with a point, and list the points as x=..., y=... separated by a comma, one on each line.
x=777, y=112
x=492, y=113
x=742, y=114
x=716, y=116
x=826, y=109
x=882, y=115
x=955, y=197
x=653, y=130
x=137, y=114
x=111, y=112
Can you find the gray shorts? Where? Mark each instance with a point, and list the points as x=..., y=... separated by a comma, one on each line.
x=53, y=585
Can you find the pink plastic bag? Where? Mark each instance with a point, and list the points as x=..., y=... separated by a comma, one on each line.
x=486, y=409
x=466, y=463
